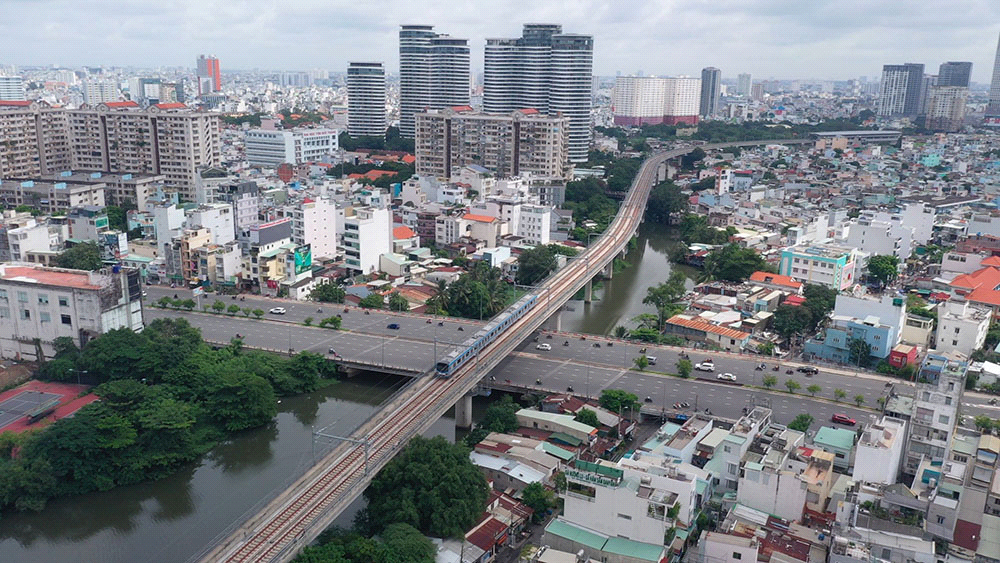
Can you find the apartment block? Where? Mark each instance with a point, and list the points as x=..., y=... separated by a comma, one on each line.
x=651, y=100
x=939, y=388
x=524, y=141
x=367, y=236
x=823, y=264
x=51, y=197
x=880, y=451
x=962, y=327
x=316, y=222
x=36, y=139
x=272, y=148
x=47, y=303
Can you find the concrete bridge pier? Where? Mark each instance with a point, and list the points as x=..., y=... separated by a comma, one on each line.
x=588, y=291
x=609, y=270
x=463, y=412
x=558, y=319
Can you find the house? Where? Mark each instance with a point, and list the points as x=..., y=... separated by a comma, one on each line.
x=695, y=328
x=839, y=442
x=776, y=281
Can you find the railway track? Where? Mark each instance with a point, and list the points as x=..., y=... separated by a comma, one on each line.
x=297, y=516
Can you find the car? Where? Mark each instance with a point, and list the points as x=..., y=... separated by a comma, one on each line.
x=392, y=326
x=648, y=399
x=808, y=370
x=277, y=311
x=681, y=405
x=726, y=377
x=705, y=366
x=843, y=419
x=678, y=418
x=543, y=346
x=651, y=360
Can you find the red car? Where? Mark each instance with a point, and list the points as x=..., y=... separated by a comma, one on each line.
x=843, y=419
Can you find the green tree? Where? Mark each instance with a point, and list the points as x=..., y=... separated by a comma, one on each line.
x=859, y=399
x=792, y=320
x=431, y=485
x=839, y=394
x=665, y=201
x=588, y=417
x=240, y=400
x=258, y=313
x=117, y=220
x=983, y=423
x=820, y=300
x=733, y=263
x=883, y=268
x=328, y=292
x=801, y=423
x=860, y=352
x=218, y=306
x=188, y=304
x=813, y=389
x=83, y=256
x=792, y=385
x=246, y=311
x=372, y=301
x=539, y=499
x=331, y=322
x=666, y=295
x=233, y=309
x=766, y=348
x=308, y=321
x=769, y=381
x=617, y=400
x=642, y=362
x=620, y=332
x=684, y=368
x=535, y=263
x=397, y=302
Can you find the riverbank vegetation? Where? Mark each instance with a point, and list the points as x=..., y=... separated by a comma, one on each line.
x=166, y=398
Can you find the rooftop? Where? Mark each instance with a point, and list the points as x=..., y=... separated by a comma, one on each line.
x=840, y=438
x=77, y=279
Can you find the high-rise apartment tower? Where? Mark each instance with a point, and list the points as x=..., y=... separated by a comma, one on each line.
x=433, y=73
x=366, y=100
x=711, y=84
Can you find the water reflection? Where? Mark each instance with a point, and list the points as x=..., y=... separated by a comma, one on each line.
x=244, y=451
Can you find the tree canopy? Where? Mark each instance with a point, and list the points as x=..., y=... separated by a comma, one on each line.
x=479, y=293
x=733, y=263
x=883, y=268
x=536, y=263
x=616, y=400
x=588, y=417
x=328, y=293
x=695, y=229
x=664, y=297
x=83, y=256
x=665, y=201
x=372, y=301
x=801, y=423
x=398, y=543
x=431, y=485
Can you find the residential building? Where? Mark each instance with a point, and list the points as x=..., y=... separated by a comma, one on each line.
x=552, y=422
x=11, y=88
x=768, y=482
x=260, y=243
x=840, y=443
x=217, y=218
x=880, y=451
x=521, y=142
x=711, y=85
x=870, y=234
x=876, y=322
x=40, y=304
x=564, y=537
x=367, y=235
x=33, y=238
x=962, y=327
x=642, y=100
x=698, y=329
x=366, y=99
x=535, y=224
x=546, y=70
x=946, y=108
x=243, y=197
x=40, y=139
x=954, y=73
x=219, y=264
x=87, y=221
x=50, y=197
x=744, y=84
x=993, y=108
x=181, y=257
x=99, y=91
x=901, y=90
x=264, y=147
x=433, y=73
x=940, y=384
x=209, y=75
x=316, y=222
x=979, y=287
x=824, y=264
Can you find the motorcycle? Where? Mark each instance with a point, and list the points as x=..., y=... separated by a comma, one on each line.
x=441, y=323
x=428, y=321
x=345, y=310
x=461, y=329
x=319, y=310
x=566, y=343
x=789, y=372
x=538, y=382
x=775, y=368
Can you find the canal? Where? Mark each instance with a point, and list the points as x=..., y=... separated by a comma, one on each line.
x=619, y=300
x=174, y=518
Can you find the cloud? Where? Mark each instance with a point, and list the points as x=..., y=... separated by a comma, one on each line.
x=773, y=38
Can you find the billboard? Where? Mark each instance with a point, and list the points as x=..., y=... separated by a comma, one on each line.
x=303, y=259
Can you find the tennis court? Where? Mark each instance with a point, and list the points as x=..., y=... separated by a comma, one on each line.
x=25, y=403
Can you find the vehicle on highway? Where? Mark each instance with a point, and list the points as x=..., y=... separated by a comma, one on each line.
x=678, y=418
x=993, y=401
x=392, y=326
x=277, y=311
x=843, y=419
x=761, y=367
x=681, y=405
x=726, y=377
x=705, y=366
x=569, y=389
x=649, y=399
x=651, y=360
x=543, y=346
x=808, y=370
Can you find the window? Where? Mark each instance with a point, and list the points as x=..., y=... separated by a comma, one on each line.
x=25, y=314
x=940, y=520
x=64, y=301
x=947, y=400
x=727, y=449
x=956, y=330
x=737, y=555
x=22, y=296
x=954, y=342
x=66, y=320
x=624, y=516
x=943, y=418
x=3, y=294
x=44, y=317
x=43, y=299
x=4, y=312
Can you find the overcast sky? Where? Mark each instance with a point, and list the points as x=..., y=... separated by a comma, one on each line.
x=770, y=38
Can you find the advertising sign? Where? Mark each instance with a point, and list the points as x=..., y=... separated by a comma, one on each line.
x=303, y=259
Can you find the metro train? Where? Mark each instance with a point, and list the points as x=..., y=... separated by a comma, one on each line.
x=482, y=338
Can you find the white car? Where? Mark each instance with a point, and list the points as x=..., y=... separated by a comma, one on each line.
x=705, y=366
x=277, y=311
x=543, y=346
x=726, y=377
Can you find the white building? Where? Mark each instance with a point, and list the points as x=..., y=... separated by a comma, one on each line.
x=316, y=222
x=535, y=224
x=366, y=100
x=887, y=238
x=715, y=547
x=99, y=92
x=48, y=303
x=11, y=88
x=33, y=237
x=367, y=235
x=961, y=327
x=879, y=452
x=168, y=222
x=433, y=73
x=217, y=218
x=939, y=388
x=642, y=100
x=271, y=148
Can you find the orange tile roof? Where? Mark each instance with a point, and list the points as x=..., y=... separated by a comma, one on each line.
x=980, y=286
x=62, y=278
x=776, y=279
x=15, y=103
x=409, y=159
x=128, y=104
x=705, y=326
x=461, y=108
x=174, y=105
x=479, y=218
x=991, y=261
x=403, y=232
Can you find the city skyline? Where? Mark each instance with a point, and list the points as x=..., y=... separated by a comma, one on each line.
x=778, y=39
